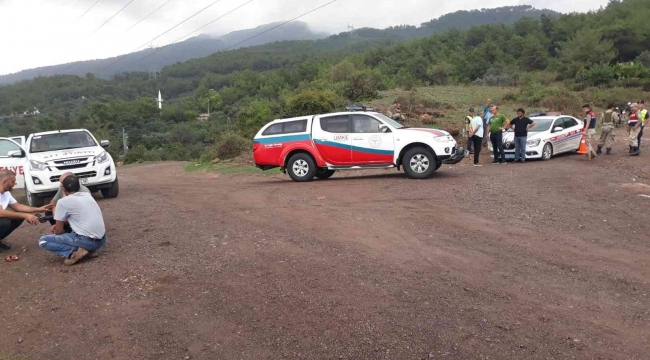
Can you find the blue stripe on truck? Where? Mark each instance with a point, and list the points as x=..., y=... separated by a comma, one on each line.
x=282, y=139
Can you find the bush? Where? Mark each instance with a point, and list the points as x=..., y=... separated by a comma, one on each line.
x=363, y=85
x=137, y=154
x=231, y=145
x=312, y=103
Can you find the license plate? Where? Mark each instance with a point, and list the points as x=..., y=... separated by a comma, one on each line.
x=83, y=181
x=510, y=156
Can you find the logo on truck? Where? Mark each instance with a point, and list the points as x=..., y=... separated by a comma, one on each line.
x=18, y=170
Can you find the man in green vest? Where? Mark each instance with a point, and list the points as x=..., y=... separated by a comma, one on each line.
x=608, y=119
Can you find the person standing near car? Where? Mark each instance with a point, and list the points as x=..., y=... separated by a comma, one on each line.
x=634, y=128
x=498, y=123
x=83, y=214
x=468, y=128
x=643, y=116
x=521, y=125
x=487, y=115
x=476, y=135
x=589, y=130
x=11, y=220
x=608, y=120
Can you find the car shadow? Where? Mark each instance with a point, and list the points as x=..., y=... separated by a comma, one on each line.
x=356, y=178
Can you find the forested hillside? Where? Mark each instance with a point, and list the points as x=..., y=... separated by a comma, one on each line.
x=549, y=59
x=204, y=45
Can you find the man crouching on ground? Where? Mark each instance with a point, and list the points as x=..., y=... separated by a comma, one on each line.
x=11, y=220
x=60, y=195
x=83, y=214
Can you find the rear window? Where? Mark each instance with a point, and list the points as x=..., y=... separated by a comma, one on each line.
x=290, y=127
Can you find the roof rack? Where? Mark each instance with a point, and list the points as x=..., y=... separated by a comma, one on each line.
x=358, y=108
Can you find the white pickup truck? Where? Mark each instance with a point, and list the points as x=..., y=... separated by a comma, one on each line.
x=40, y=161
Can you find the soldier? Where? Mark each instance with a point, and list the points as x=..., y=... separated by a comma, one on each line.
x=608, y=120
x=589, y=130
x=395, y=112
x=634, y=128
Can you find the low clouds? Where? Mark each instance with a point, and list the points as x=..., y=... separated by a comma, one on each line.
x=39, y=33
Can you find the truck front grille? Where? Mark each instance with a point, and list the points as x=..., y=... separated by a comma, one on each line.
x=87, y=174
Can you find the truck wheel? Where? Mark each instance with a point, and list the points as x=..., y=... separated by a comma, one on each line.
x=419, y=163
x=34, y=200
x=325, y=174
x=111, y=192
x=301, y=167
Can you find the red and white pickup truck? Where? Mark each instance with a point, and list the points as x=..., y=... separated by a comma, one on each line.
x=318, y=145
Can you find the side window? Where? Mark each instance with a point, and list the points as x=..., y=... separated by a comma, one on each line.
x=295, y=126
x=570, y=122
x=558, y=123
x=6, y=147
x=336, y=124
x=290, y=127
x=365, y=124
x=274, y=129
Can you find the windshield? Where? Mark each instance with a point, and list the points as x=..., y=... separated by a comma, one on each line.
x=61, y=141
x=389, y=121
x=541, y=125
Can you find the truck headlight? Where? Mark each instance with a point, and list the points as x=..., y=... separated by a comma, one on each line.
x=37, y=165
x=533, y=143
x=443, y=138
x=102, y=158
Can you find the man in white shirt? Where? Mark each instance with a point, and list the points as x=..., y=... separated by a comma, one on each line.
x=11, y=220
x=81, y=211
x=476, y=134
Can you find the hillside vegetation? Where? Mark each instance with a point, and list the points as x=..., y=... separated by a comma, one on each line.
x=553, y=62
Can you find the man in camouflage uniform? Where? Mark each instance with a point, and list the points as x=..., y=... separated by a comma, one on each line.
x=395, y=112
x=608, y=119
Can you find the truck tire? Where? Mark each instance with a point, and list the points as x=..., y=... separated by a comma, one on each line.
x=34, y=200
x=111, y=192
x=325, y=174
x=419, y=163
x=301, y=167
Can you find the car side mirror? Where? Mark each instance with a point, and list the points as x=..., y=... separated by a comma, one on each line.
x=105, y=143
x=558, y=129
x=16, y=154
x=384, y=128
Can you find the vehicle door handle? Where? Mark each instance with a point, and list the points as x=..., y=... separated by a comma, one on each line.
x=357, y=138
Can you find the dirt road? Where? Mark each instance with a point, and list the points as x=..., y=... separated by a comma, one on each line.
x=545, y=260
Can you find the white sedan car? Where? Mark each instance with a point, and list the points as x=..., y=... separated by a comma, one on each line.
x=551, y=135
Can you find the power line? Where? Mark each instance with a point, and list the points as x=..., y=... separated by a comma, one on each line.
x=183, y=37
x=275, y=27
x=146, y=17
x=90, y=8
x=114, y=15
x=172, y=28
x=254, y=36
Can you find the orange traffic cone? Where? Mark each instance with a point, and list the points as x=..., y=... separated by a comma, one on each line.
x=583, y=145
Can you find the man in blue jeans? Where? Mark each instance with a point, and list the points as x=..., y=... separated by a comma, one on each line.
x=84, y=216
x=521, y=124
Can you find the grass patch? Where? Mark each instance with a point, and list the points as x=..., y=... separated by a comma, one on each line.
x=228, y=169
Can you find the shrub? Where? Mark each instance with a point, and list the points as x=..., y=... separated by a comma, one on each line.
x=312, y=102
x=231, y=145
x=137, y=154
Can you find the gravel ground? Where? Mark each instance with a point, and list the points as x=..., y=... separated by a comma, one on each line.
x=543, y=260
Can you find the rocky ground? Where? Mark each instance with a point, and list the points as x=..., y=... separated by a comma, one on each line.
x=543, y=260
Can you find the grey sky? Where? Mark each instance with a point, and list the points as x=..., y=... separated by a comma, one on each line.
x=39, y=33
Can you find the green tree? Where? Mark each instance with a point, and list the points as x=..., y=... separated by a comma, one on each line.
x=584, y=50
x=533, y=55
